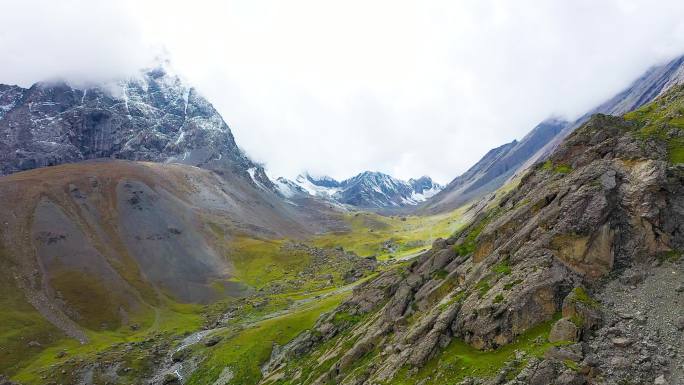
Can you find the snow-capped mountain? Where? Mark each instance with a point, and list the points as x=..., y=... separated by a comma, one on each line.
x=153, y=117
x=324, y=186
x=373, y=190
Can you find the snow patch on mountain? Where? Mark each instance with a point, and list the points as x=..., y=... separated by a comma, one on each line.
x=367, y=189
x=287, y=188
x=325, y=187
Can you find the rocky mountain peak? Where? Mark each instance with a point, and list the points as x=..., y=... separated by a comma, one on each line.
x=153, y=117
x=424, y=185
x=322, y=181
x=368, y=189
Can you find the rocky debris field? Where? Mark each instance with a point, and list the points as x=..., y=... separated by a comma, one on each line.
x=643, y=337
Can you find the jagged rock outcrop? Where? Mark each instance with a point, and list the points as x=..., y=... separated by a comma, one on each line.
x=610, y=197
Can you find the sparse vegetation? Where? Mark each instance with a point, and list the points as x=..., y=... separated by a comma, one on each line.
x=663, y=120
x=469, y=244
x=582, y=296
x=557, y=168
x=440, y=274
x=512, y=284
x=503, y=268
x=460, y=360
x=483, y=287
x=670, y=256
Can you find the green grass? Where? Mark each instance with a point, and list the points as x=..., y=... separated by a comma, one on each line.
x=173, y=318
x=483, y=287
x=582, y=296
x=470, y=242
x=460, y=360
x=259, y=262
x=440, y=274
x=558, y=168
x=20, y=324
x=655, y=120
x=368, y=232
x=503, y=268
x=246, y=350
x=344, y=318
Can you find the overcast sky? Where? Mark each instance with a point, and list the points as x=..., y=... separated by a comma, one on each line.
x=338, y=87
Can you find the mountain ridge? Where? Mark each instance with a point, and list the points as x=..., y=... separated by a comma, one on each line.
x=368, y=189
x=543, y=138
x=152, y=117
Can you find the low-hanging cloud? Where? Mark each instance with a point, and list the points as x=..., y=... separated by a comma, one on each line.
x=80, y=41
x=405, y=87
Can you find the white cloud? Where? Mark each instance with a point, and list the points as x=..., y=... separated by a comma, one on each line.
x=406, y=87
x=83, y=41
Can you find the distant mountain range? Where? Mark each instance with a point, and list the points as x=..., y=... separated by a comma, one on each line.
x=155, y=117
x=371, y=190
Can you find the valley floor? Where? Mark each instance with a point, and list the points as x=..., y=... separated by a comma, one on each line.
x=291, y=283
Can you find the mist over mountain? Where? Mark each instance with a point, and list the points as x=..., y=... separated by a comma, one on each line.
x=500, y=164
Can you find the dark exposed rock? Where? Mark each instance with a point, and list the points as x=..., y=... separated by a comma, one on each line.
x=212, y=340
x=4, y=380
x=563, y=354
x=584, y=310
x=154, y=117
x=564, y=330
x=171, y=379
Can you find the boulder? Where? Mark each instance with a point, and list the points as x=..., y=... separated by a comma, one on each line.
x=570, y=377
x=562, y=354
x=680, y=323
x=545, y=373
x=583, y=309
x=213, y=340
x=621, y=342
x=564, y=330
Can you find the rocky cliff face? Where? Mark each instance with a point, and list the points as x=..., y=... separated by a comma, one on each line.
x=498, y=165
x=154, y=117
x=547, y=270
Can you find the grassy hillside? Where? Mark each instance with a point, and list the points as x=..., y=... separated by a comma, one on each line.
x=395, y=236
x=276, y=288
